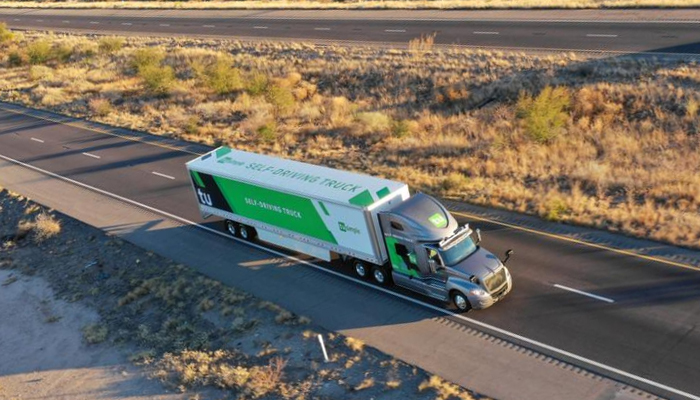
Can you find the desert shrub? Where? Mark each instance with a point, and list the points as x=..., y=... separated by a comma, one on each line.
x=280, y=97
x=454, y=182
x=222, y=77
x=62, y=53
x=156, y=79
x=110, y=45
x=556, y=209
x=100, y=107
x=544, y=116
x=268, y=132
x=45, y=227
x=95, y=333
x=146, y=57
x=257, y=84
x=16, y=58
x=39, y=72
x=401, y=129
x=6, y=35
x=39, y=52
x=374, y=121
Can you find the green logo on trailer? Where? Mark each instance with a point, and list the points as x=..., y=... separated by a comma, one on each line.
x=438, y=220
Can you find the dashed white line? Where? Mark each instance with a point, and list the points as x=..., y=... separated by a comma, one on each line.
x=581, y=292
x=322, y=29
x=91, y=155
x=486, y=33
x=599, y=35
x=208, y=26
x=37, y=140
x=163, y=175
x=164, y=24
x=16, y=19
x=66, y=22
x=126, y=23
x=394, y=30
x=94, y=22
x=39, y=20
x=259, y=27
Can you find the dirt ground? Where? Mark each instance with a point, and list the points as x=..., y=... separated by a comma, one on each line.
x=87, y=315
x=43, y=355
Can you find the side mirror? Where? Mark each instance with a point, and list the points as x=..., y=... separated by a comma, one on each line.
x=478, y=235
x=509, y=253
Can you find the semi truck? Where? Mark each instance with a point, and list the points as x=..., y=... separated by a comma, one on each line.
x=374, y=225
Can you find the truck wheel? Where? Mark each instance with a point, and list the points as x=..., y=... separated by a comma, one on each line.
x=246, y=232
x=232, y=227
x=460, y=301
x=380, y=275
x=360, y=268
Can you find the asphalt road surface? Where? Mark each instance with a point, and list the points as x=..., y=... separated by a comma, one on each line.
x=637, y=36
x=632, y=314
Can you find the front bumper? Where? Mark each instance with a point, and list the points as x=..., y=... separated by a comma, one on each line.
x=481, y=302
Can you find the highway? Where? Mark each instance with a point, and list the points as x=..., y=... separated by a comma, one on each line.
x=639, y=36
x=628, y=313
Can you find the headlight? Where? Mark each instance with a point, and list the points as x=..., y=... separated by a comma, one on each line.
x=477, y=292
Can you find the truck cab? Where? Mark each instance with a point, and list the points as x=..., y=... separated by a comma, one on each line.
x=431, y=254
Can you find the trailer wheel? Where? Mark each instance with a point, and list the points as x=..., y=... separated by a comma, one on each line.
x=246, y=232
x=360, y=268
x=380, y=275
x=460, y=301
x=232, y=227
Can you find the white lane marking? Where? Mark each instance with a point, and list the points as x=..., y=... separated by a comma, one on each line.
x=581, y=292
x=163, y=175
x=126, y=23
x=66, y=22
x=259, y=27
x=39, y=20
x=532, y=342
x=91, y=155
x=94, y=22
x=16, y=19
x=208, y=26
x=322, y=29
x=486, y=33
x=394, y=30
x=37, y=140
x=599, y=35
x=164, y=24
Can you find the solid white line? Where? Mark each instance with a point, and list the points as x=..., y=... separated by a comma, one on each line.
x=440, y=310
x=599, y=35
x=37, y=140
x=126, y=23
x=163, y=175
x=164, y=24
x=322, y=29
x=208, y=26
x=91, y=155
x=394, y=30
x=485, y=33
x=581, y=292
x=259, y=27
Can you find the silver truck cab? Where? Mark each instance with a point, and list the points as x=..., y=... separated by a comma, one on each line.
x=430, y=254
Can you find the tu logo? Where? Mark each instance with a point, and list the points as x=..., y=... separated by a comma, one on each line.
x=204, y=198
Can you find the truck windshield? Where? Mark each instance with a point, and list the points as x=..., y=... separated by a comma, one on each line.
x=458, y=251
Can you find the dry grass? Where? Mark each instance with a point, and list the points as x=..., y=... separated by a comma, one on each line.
x=610, y=143
x=370, y=4
x=444, y=390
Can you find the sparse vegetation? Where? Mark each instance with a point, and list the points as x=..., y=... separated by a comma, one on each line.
x=110, y=45
x=95, y=333
x=504, y=130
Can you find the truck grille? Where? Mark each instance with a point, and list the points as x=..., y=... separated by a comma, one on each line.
x=496, y=280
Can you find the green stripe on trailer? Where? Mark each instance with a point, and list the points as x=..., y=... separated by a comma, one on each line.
x=363, y=199
x=323, y=207
x=197, y=179
x=283, y=210
x=222, y=151
x=383, y=192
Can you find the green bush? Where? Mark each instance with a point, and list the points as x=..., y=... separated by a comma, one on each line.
x=6, y=35
x=544, y=116
x=556, y=209
x=268, y=132
x=401, y=129
x=157, y=80
x=110, y=45
x=17, y=58
x=257, y=84
x=281, y=97
x=62, y=53
x=374, y=121
x=39, y=52
x=146, y=57
x=222, y=77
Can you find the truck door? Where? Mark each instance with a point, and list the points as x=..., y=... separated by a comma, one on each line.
x=403, y=257
x=436, y=280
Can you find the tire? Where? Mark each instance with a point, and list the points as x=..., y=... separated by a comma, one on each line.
x=232, y=228
x=247, y=232
x=460, y=301
x=360, y=268
x=380, y=275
